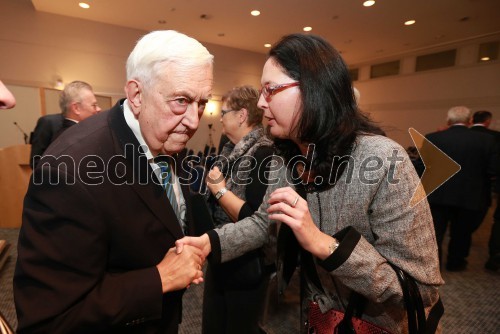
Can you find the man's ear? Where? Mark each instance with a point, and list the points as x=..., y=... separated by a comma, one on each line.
x=74, y=109
x=133, y=91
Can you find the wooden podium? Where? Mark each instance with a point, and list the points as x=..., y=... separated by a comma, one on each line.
x=15, y=173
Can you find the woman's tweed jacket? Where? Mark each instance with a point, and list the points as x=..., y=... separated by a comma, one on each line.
x=375, y=201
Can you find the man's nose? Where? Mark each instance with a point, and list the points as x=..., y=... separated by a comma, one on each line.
x=192, y=116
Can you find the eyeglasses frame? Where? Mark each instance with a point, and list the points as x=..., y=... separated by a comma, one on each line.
x=268, y=92
x=223, y=112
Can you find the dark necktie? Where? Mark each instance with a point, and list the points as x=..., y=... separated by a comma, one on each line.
x=166, y=181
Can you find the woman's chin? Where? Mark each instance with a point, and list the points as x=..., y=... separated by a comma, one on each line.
x=277, y=133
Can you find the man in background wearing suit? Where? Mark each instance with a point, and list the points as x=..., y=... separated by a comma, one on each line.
x=465, y=197
x=77, y=102
x=481, y=123
x=96, y=246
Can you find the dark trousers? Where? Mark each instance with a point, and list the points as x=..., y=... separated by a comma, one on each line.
x=231, y=311
x=462, y=223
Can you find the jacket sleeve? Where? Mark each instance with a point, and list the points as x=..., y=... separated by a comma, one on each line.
x=233, y=240
x=254, y=192
x=61, y=282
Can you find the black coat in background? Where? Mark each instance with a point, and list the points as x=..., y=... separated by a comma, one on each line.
x=496, y=135
x=45, y=130
x=476, y=154
x=463, y=200
x=494, y=242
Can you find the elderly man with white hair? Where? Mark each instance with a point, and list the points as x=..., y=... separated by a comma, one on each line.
x=105, y=205
x=463, y=199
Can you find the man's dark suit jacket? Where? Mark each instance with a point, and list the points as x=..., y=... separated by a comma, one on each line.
x=91, y=239
x=46, y=128
x=496, y=135
x=476, y=154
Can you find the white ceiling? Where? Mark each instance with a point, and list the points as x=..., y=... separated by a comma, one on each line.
x=362, y=34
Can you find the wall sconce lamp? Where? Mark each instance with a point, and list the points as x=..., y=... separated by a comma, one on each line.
x=211, y=107
x=59, y=83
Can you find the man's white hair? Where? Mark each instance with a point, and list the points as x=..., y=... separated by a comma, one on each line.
x=162, y=47
x=459, y=114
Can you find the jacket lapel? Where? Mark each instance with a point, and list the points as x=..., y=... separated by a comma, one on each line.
x=139, y=174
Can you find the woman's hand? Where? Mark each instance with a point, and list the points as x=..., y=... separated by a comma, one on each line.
x=288, y=207
x=215, y=180
x=202, y=243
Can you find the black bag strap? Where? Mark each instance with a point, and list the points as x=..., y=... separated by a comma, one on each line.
x=409, y=301
x=435, y=315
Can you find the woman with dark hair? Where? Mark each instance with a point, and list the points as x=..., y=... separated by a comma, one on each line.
x=234, y=290
x=340, y=189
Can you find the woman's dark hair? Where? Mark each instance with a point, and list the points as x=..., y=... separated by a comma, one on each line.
x=330, y=116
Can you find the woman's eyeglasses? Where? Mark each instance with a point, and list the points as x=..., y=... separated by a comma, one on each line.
x=269, y=91
x=223, y=112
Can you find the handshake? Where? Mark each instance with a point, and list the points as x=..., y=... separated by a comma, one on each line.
x=182, y=264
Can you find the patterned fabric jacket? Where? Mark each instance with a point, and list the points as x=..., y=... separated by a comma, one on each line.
x=371, y=200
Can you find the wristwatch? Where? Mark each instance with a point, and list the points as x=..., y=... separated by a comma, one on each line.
x=333, y=246
x=220, y=193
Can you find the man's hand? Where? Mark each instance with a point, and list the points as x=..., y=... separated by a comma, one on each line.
x=202, y=243
x=178, y=270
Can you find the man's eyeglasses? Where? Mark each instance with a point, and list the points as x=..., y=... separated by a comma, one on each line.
x=223, y=112
x=269, y=91
x=179, y=105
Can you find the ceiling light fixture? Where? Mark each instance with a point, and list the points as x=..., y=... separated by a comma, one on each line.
x=84, y=5
x=410, y=22
x=255, y=13
x=368, y=3
x=308, y=28
x=485, y=58
x=267, y=45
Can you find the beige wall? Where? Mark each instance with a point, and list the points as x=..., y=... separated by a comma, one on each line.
x=421, y=100
x=37, y=48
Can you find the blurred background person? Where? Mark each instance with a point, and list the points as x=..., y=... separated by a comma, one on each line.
x=234, y=291
x=481, y=122
x=463, y=200
x=77, y=102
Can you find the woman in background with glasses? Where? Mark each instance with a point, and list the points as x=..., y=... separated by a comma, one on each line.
x=348, y=202
x=234, y=290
